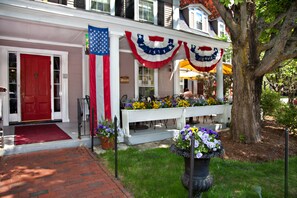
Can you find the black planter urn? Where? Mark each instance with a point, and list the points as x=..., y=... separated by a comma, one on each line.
x=202, y=180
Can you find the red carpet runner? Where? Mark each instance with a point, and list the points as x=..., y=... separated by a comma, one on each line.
x=38, y=133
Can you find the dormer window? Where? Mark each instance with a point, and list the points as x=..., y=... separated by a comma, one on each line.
x=198, y=20
x=100, y=5
x=146, y=11
x=221, y=31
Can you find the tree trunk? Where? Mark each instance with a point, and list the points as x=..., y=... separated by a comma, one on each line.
x=245, y=125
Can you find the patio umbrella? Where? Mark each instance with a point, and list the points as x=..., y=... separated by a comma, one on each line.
x=227, y=68
x=191, y=75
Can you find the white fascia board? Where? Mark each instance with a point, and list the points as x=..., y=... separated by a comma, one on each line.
x=80, y=19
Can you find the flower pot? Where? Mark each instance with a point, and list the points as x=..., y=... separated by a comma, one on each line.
x=106, y=143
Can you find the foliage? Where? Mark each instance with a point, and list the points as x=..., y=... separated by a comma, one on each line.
x=287, y=116
x=270, y=102
x=157, y=172
x=284, y=79
x=206, y=140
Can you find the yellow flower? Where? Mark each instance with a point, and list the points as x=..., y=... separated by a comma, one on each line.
x=183, y=103
x=156, y=104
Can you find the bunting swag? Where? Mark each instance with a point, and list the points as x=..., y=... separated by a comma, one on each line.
x=152, y=51
x=203, y=58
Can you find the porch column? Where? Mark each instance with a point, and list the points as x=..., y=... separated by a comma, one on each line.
x=220, y=81
x=176, y=79
x=115, y=74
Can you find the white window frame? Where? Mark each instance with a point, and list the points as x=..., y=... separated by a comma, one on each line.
x=155, y=10
x=220, y=24
x=137, y=84
x=89, y=5
x=193, y=17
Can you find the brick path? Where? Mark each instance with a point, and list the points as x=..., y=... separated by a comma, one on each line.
x=73, y=172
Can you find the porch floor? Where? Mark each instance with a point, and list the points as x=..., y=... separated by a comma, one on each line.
x=150, y=133
x=70, y=128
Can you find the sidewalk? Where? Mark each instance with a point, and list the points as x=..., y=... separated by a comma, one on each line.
x=71, y=172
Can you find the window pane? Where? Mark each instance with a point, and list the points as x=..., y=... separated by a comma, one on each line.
x=146, y=11
x=198, y=20
x=57, y=83
x=57, y=105
x=12, y=62
x=101, y=5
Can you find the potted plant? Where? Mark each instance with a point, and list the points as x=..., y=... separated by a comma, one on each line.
x=206, y=146
x=106, y=133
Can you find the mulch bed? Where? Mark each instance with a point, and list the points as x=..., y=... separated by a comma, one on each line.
x=272, y=146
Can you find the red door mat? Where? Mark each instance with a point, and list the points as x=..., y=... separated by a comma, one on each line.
x=38, y=133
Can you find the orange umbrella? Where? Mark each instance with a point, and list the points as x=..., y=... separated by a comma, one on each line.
x=227, y=68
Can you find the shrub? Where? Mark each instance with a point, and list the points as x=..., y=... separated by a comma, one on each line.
x=287, y=116
x=270, y=102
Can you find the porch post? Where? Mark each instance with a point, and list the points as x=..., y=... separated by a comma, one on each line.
x=220, y=80
x=176, y=79
x=115, y=74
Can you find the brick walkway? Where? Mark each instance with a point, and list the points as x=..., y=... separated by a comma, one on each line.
x=73, y=172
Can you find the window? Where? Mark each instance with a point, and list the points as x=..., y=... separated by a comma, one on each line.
x=221, y=31
x=64, y=2
x=146, y=11
x=198, y=19
x=12, y=62
x=145, y=81
x=100, y=5
x=57, y=84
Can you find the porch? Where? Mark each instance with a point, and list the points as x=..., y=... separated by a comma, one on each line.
x=144, y=132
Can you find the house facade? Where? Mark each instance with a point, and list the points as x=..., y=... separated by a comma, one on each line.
x=43, y=59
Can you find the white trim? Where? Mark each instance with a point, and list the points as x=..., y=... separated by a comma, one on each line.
x=156, y=82
x=125, y=51
x=136, y=83
x=79, y=19
x=39, y=41
x=64, y=69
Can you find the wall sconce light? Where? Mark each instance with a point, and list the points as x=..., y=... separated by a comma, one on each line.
x=170, y=68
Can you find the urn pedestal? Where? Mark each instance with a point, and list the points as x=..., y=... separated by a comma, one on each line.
x=202, y=180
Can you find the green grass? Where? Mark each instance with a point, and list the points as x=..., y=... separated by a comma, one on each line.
x=156, y=173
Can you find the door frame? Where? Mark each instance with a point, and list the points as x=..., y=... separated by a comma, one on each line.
x=4, y=50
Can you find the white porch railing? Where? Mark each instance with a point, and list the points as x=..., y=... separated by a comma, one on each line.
x=223, y=112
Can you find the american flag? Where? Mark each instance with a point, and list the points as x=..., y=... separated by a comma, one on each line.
x=99, y=73
x=99, y=40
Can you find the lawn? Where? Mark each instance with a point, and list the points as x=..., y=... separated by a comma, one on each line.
x=156, y=173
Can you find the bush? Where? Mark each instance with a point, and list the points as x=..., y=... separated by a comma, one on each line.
x=287, y=116
x=270, y=102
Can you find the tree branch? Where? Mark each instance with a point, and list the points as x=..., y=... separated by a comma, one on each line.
x=275, y=55
x=262, y=25
x=227, y=17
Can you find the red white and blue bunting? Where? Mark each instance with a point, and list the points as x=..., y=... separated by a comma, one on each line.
x=203, y=58
x=152, y=51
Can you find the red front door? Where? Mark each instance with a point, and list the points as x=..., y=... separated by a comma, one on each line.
x=35, y=87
